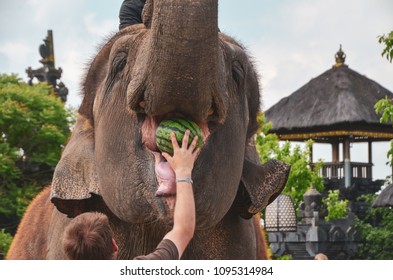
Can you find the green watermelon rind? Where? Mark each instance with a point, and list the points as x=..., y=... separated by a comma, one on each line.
x=178, y=126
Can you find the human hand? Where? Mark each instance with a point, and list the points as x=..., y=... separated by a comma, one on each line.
x=182, y=161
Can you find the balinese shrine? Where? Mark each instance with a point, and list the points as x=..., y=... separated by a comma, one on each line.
x=336, y=108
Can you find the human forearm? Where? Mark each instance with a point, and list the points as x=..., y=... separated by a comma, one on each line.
x=184, y=217
x=184, y=214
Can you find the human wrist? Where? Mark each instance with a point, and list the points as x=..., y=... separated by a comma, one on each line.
x=184, y=180
x=183, y=173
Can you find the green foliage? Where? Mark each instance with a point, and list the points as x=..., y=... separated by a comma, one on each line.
x=267, y=144
x=15, y=198
x=377, y=227
x=337, y=209
x=34, y=125
x=32, y=121
x=390, y=154
x=377, y=232
x=5, y=243
x=283, y=258
x=387, y=40
x=385, y=108
x=301, y=176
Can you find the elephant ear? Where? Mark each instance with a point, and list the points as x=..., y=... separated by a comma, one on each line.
x=147, y=13
x=260, y=185
x=75, y=186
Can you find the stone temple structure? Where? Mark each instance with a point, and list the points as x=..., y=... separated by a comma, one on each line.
x=336, y=239
x=337, y=108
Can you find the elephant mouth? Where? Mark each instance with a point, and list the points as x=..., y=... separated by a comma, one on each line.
x=165, y=176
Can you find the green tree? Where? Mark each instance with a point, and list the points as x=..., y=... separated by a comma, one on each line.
x=376, y=230
x=5, y=242
x=34, y=125
x=301, y=176
x=387, y=41
x=337, y=209
x=385, y=108
x=385, y=105
x=377, y=227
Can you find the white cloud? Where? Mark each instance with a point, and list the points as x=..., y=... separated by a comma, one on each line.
x=16, y=54
x=99, y=27
x=48, y=12
x=301, y=37
x=72, y=73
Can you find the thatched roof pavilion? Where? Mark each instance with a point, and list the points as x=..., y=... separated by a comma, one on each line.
x=335, y=107
x=385, y=198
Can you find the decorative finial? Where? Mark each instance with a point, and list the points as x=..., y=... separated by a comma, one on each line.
x=48, y=72
x=340, y=58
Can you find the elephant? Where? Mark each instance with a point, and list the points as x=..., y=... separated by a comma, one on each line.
x=176, y=63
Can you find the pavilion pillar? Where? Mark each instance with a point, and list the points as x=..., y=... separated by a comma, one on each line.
x=370, y=160
x=335, y=151
x=347, y=163
x=335, y=159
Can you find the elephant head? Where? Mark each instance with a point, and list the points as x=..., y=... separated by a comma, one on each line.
x=174, y=64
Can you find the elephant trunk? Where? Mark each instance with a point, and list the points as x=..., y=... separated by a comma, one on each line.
x=181, y=66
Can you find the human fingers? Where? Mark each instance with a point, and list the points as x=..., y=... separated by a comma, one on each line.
x=185, y=139
x=167, y=156
x=196, y=153
x=194, y=143
x=174, y=141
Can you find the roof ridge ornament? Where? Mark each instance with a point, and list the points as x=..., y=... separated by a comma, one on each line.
x=340, y=58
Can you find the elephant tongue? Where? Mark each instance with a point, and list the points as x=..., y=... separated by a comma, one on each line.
x=166, y=179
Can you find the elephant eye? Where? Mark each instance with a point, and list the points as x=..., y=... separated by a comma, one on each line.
x=119, y=62
x=237, y=73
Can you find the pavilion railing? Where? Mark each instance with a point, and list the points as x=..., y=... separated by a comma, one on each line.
x=335, y=170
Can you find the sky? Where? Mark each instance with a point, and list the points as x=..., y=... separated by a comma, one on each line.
x=290, y=42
